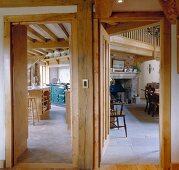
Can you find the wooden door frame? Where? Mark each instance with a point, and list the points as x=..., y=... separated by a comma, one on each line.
x=165, y=82
x=29, y=19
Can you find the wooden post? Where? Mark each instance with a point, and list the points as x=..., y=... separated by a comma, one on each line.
x=165, y=98
x=85, y=95
x=96, y=35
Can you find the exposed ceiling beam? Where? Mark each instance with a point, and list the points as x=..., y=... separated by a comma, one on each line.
x=133, y=16
x=65, y=32
x=36, y=34
x=30, y=3
x=40, y=51
x=33, y=53
x=31, y=39
x=49, y=44
x=103, y=8
x=49, y=32
x=125, y=27
x=170, y=9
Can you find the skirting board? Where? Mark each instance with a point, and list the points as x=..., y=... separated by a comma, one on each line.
x=2, y=163
x=175, y=166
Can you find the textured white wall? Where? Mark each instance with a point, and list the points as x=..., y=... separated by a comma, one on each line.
x=174, y=101
x=19, y=11
x=145, y=77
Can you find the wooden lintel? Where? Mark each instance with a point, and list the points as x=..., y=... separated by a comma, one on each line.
x=40, y=18
x=103, y=8
x=49, y=44
x=124, y=27
x=36, y=3
x=170, y=9
x=133, y=16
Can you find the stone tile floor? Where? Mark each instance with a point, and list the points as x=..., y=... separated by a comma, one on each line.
x=142, y=144
x=49, y=141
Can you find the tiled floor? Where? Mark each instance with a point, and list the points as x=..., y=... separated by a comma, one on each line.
x=142, y=143
x=49, y=141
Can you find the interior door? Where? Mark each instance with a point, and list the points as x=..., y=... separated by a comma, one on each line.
x=19, y=73
x=104, y=87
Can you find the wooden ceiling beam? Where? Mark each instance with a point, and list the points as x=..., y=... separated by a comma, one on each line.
x=170, y=9
x=48, y=45
x=36, y=34
x=30, y=3
x=40, y=51
x=33, y=52
x=49, y=32
x=133, y=16
x=103, y=8
x=125, y=27
x=65, y=32
x=31, y=39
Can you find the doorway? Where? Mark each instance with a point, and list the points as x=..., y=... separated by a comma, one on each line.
x=20, y=99
x=104, y=143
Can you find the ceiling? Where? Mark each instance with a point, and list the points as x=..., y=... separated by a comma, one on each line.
x=47, y=38
x=136, y=5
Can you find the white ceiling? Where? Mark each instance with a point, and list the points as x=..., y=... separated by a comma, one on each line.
x=136, y=5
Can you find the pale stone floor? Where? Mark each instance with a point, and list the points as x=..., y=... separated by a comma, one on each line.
x=49, y=140
x=142, y=144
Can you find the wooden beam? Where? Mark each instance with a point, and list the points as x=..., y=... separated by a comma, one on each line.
x=133, y=16
x=125, y=27
x=36, y=34
x=177, y=3
x=64, y=31
x=103, y=8
x=32, y=52
x=36, y=3
x=170, y=9
x=30, y=39
x=85, y=95
x=49, y=32
x=49, y=44
x=40, y=51
x=165, y=95
x=40, y=18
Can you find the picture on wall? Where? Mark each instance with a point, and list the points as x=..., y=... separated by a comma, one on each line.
x=118, y=65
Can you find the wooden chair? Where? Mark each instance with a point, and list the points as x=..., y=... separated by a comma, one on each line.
x=32, y=108
x=115, y=114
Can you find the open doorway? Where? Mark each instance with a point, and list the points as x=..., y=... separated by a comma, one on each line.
x=134, y=76
x=134, y=97
x=42, y=126
x=49, y=74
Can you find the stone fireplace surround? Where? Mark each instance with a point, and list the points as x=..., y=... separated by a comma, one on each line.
x=129, y=82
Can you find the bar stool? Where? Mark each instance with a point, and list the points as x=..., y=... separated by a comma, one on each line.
x=32, y=108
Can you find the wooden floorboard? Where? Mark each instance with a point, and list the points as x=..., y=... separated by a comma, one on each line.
x=106, y=167
x=130, y=167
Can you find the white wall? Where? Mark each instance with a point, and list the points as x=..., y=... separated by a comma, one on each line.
x=145, y=77
x=60, y=73
x=64, y=74
x=19, y=11
x=174, y=101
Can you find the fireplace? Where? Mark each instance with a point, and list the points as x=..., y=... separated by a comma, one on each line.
x=129, y=83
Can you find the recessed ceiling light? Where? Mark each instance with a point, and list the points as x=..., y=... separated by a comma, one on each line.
x=120, y=1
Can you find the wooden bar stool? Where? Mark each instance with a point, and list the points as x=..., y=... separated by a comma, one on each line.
x=32, y=108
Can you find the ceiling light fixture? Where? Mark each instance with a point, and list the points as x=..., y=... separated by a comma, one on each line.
x=120, y=1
